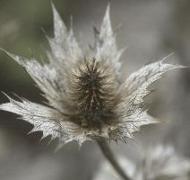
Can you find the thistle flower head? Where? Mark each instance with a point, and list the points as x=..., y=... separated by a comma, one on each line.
x=85, y=94
x=156, y=163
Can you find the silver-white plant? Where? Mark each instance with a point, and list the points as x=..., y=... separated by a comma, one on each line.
x=160, y=162
x=86, y=98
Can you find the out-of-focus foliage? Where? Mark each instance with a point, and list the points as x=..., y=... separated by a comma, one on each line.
x=159, y=162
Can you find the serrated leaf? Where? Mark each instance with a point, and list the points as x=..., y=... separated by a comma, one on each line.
x=41, y=117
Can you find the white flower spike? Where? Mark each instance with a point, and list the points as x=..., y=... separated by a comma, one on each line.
x=86, y=98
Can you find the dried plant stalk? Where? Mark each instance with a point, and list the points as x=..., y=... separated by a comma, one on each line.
x=104, y=146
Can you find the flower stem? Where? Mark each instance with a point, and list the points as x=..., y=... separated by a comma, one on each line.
x=104, y=146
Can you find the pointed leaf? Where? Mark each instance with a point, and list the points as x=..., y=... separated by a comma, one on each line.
x=46, y=78
x=135, y=88
x=131, y=124
x=144, y=77
x=43, y=118
x=64, y=47
x=105, y=42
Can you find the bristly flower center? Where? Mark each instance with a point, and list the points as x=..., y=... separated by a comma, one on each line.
x=93, y=93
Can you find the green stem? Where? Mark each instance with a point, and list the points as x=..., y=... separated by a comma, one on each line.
x=104, y=146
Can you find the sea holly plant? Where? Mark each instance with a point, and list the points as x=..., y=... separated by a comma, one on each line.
x=86, y=97
x=158, y=162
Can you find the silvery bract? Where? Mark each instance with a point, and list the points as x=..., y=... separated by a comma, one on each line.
x=157, y=163
x=86, y=96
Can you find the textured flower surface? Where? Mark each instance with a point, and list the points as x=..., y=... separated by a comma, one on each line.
x=157, y=163
x=86, y=98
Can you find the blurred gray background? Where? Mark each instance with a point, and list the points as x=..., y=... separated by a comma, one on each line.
x=150, y=29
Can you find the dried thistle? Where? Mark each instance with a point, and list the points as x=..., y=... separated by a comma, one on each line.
x=159, y=162
x=86, y=98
